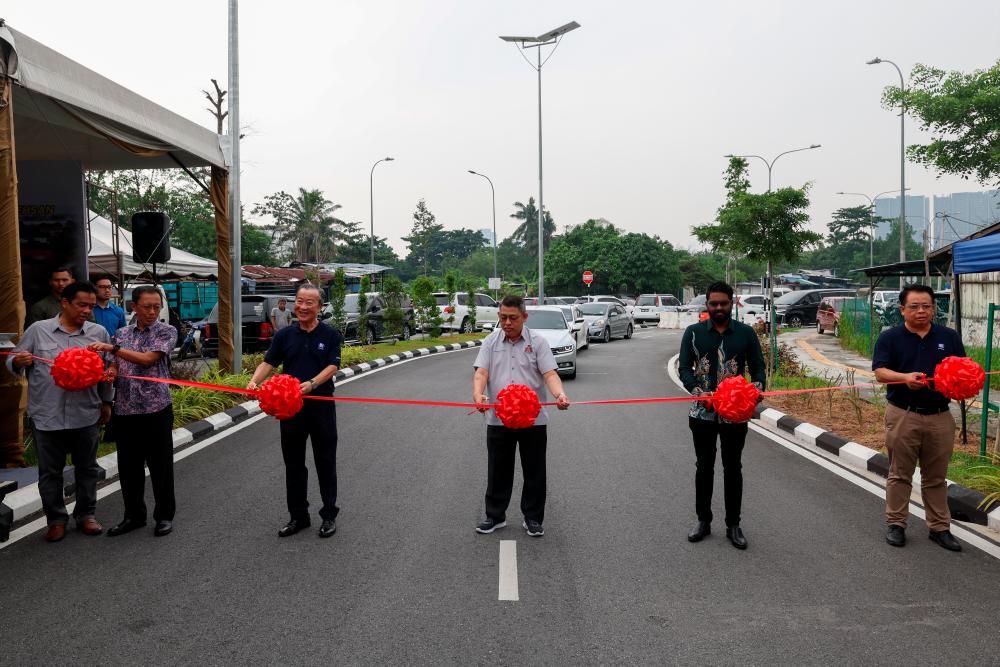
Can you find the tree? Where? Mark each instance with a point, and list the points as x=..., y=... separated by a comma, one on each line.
x=392, y=291
x=526, y=234
x=424, y=246
x=470, y=289
x=306, y=222
x=357, y=248
x=425, y=305
x=854, y=223
x=338, y=294
x=451, y=287
x=366, y=285
x=961, y=112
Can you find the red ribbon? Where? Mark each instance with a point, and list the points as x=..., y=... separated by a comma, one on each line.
x=281, y=396
x=517, y=406
x=77, y=368
x=735, y=399
x=959, y=378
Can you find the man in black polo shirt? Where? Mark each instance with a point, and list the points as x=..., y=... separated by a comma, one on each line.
x=918, y=422
x=309, y=351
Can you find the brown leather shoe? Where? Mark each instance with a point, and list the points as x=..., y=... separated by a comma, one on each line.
x=56, y=532
x=89, y=526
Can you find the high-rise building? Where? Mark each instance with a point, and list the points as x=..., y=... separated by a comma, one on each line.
x=918, y=214
x=966, y=212
x=488, y=235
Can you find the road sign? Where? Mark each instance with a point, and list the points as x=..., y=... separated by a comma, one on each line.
x=495, y=283
x=588, y=278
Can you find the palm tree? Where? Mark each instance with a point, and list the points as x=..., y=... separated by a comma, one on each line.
x=312, y=227
x=526, y=234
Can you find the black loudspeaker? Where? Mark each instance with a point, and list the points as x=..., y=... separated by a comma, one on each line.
x=150, y=237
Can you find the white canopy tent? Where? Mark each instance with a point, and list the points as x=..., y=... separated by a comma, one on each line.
x=101, y=256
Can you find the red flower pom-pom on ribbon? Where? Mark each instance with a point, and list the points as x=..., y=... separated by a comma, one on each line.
x=959, y=378
x=281, y=396
x=518, y=406
x=735, y=399
x=77, y=368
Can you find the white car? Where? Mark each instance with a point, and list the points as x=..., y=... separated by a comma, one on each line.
x=608, y=298
x=551, y=324
x=649, y=307
x=751, y=305
x=455, y=316
x=574, y=318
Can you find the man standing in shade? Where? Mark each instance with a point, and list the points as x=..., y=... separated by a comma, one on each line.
x=514, y=355
x=918, y=422
x=65, y=422
x=309, y=351
x=109, y=315
x=281, y=317
x=143, y=414
x=51, y=304
x=712, y=351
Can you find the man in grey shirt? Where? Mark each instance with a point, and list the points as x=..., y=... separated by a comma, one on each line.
x=281, y=317
x=514, y=355
x=65, y=422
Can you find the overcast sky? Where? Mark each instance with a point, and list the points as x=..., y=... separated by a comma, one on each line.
x=640, y=104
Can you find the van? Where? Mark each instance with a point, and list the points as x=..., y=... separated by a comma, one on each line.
x=797, y=309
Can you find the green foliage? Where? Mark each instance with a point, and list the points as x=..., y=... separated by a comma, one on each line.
x=425, y=252
x=357, y=248
x=451, y=287
x=307, y=221
x=526, y=234
x=392, y=291
x=338, y=291
x=366, y=286
x=961, y=112
x=470, y=289
x=425, y=305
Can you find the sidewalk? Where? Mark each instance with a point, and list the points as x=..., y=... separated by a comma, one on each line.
x=822, y=355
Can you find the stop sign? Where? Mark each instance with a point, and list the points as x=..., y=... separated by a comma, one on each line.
x=588, y=277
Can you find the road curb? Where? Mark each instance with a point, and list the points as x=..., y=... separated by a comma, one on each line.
x=26, y=501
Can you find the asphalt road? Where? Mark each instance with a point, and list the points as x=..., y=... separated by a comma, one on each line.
x=406, y=580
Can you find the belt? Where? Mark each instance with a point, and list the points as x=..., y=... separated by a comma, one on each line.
x=920, y=410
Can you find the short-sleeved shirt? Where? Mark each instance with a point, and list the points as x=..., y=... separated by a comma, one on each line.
x=282, y=318
x=43, y=309
x=304, y=354
x=899, y=349
x=138, y=397
x=523, y=361
x=111, y=318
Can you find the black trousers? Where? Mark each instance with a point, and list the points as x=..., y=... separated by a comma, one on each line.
x=317, y=421
x=146, y=440
x=731, y=439
x=501, y=443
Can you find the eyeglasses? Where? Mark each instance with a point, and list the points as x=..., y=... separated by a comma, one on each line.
x=718, y=304
x=510, y=318
x=920, y=306
x=149, y=307
x=104, y=286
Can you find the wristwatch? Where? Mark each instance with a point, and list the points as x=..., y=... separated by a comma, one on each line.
x=114, y=349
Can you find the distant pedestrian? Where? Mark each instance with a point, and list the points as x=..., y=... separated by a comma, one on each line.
x=108, y=314
x=309, y=351
x=515, y=355
x=918, y=421
x=711, y=351
x=143, y=414
x=50, y=305
x=65, y=422
x=281, y=317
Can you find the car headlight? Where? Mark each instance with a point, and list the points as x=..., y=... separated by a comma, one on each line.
x=562, y=350
x=597, y=323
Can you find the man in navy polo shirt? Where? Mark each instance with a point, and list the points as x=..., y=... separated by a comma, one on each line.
x=309, y=351
x=918, y=422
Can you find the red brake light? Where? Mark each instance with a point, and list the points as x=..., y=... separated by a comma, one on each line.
x=449, y=310
x=265, y=330
x=208, y=331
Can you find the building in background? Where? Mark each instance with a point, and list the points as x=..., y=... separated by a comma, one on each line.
x=967, y=213
x=488, y=235
x=918, y=214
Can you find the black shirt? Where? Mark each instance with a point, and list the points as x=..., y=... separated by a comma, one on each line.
x=306, y=354
x=903, y=351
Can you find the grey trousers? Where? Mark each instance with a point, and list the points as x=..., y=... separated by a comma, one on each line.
x=53, y=446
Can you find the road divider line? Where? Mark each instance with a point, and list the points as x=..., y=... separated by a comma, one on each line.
x=508, y=571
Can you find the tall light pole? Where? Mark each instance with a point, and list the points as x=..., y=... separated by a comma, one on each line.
x=235, y=212
x=902, y=158
x=371, y=193
x=494, y=197
x=871, y=220
x=551, y=37
x=770, y=164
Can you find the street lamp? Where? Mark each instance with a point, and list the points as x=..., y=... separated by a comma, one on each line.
x=551, y=37
x=494, y=196
x=371, y=192
x=871, y=221
x=770, y=165
x=902, y=157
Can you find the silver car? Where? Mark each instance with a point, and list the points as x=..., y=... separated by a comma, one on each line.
x=606, y=321
x=576, y=322
x=550, y=323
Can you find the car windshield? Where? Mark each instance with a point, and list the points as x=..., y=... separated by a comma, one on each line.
x=546, y=319
x=697, y=301
x=790, y=298
x=646, y=301
x=351, y=303
x=594, y=308
x=568, y=312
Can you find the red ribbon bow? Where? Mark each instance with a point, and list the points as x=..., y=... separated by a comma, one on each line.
x=959, y=378
x=517, y=406
x=735, y=399
x=77, y=368
x=281, y=396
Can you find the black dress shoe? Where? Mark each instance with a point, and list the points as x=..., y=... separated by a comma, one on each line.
x=163, y=528
x=896, y=536
x=735, y=536
x=126, y=526
x=328, y=528
x=700, y=532
x=946, y=540
x=292, y=527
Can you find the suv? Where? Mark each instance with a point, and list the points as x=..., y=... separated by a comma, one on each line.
x=649, y=306
x=376, y=317
x=487, y=311
x=257, y=329
x=797, y=309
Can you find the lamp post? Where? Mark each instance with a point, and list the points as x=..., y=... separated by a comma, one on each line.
x=493, y=194
x=871, y=221
x=235, y=211
x=902, y=158
x=551, y=37
x=371, y=192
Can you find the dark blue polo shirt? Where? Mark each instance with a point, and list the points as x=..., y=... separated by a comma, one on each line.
x=306, y=354
x=903, y=351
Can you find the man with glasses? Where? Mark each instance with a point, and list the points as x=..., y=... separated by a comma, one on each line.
x=918, y=421
x=106, y=313
x=143, y=414
x=711, y=351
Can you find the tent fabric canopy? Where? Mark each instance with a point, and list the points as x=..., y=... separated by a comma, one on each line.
x=980, y=255
x=101, y=258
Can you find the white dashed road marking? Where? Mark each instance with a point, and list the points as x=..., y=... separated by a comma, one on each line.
x=508, y=570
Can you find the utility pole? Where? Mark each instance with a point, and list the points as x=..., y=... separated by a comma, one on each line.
x=235, y=212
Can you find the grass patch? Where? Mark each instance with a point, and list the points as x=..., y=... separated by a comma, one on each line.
x=791, y=383
x=357, y=354
x=976, y=472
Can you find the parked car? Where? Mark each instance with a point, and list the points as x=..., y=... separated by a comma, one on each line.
x=575, y=319
x=695, y=305
x=257, y=330
x=649, y=306
x=531, y=301
x=828, y=314
x=797, y=309
x=606, y=321
x=751, y=305
x=376, y=317
x=487, y=311
x=550, y=322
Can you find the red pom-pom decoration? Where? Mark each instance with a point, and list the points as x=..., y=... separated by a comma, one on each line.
x=77, y=368
x=959, y=378
x=281, y=396
x=518, y=406
x=735, y=399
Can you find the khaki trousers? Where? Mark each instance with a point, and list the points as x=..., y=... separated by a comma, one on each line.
x=930, y=439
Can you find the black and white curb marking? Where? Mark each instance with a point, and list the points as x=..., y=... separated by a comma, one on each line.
x=26, y=501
